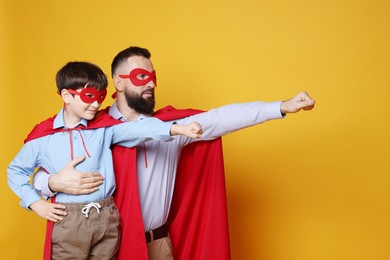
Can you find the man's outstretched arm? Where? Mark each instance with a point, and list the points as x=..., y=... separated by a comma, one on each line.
x=233, y=117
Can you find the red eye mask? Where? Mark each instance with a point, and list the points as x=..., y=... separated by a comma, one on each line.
x=90, y=95
x=140, y=77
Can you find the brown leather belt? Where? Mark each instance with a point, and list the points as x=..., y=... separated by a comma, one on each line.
x=157, y=233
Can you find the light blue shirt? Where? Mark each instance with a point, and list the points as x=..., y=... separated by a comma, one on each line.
x=53, y=152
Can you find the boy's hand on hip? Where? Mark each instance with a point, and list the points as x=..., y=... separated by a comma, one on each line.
x=50, y=211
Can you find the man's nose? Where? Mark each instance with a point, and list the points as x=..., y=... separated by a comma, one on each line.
x=151, y=84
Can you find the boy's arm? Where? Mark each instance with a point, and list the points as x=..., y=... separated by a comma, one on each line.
x=130, y=134
x=19, y=172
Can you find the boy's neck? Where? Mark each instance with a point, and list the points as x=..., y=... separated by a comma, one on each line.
x=71, y=121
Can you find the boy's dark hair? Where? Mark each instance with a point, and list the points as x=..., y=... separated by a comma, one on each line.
x=127, y=53
x=76, y=75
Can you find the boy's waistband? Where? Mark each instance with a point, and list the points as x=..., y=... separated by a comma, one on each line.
x=79, y=206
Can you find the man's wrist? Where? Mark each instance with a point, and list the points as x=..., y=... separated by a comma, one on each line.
x=282, y=108
x=50, y=189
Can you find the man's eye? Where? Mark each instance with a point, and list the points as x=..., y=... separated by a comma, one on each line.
x=90, y=95
x=142, y=76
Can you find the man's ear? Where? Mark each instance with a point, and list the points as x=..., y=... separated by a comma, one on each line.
x=118, y=83
x=66, y=96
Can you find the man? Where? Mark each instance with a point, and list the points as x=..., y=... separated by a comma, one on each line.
x=157, y=163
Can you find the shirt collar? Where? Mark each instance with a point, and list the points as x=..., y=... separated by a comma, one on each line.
x=60, y=123
x=114, y=112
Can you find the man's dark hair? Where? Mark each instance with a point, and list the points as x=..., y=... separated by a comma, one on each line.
x=127, y=53
x=76, y=74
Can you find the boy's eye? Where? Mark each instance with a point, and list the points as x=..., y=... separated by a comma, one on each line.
x=89, y=95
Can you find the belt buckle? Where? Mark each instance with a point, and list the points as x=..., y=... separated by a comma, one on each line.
x=151, y=236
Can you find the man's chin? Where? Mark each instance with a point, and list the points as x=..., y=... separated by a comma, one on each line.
x=144, y=109
x=142, y=104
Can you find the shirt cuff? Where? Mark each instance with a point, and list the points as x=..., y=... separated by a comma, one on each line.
x=41, y=184
x=29, y=198
x=272, y=109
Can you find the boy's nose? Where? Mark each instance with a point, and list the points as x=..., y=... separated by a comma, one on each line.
x=95, y=104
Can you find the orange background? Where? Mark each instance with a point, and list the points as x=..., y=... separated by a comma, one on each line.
x=310, y=187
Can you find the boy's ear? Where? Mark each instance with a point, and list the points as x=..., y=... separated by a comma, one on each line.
x=66, y=96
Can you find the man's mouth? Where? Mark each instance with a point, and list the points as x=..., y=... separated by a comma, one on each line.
x=148, y=94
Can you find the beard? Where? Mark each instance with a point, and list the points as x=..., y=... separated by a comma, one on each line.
x=140, y=104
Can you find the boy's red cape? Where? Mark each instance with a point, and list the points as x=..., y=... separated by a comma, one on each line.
x=197, y=222
x=46, y=127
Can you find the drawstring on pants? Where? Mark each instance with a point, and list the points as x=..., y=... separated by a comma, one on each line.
x=88, y=207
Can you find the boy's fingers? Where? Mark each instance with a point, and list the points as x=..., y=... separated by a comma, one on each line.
x=55, y=218
x=59, y=206
x=59, y=212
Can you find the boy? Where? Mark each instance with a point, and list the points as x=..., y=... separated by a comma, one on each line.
x=92, y=225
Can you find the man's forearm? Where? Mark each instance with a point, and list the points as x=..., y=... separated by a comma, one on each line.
x=230, y=118
x=41, y=184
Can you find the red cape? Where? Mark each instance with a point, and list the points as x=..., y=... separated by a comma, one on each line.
x=197, y=222
x=46, y=128
x=198, y=216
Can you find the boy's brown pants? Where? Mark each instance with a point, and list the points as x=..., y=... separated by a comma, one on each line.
x=94, y=237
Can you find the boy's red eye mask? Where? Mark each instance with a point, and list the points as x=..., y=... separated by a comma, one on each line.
x=140, y=77
x=90, y=95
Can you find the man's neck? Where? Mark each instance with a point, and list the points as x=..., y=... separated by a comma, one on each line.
x=129, y=113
